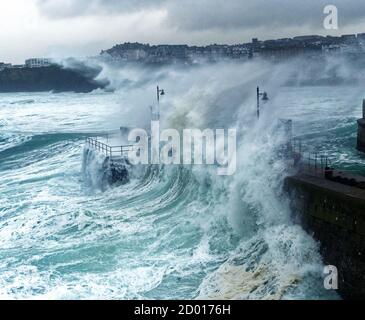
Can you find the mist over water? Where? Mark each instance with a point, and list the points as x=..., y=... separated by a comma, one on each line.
x=172, y=232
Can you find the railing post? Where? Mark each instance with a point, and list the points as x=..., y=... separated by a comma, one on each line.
x=107, y=150
x=315, y=161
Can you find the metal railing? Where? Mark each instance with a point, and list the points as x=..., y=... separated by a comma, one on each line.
x=321, y=165
x=109, y=151
x=314, y=160
x=314, y=163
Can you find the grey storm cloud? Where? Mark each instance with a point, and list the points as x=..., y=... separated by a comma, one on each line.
x=201, y=15
x=74, y=8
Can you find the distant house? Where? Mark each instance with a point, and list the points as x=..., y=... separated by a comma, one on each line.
x=349, y=38
x=127, y=52
x=38, y=63
x=4, y=66
x=332, y=49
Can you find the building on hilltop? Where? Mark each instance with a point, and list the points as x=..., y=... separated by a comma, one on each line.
x=38, y=63
x=4, y=65
x=127, y=52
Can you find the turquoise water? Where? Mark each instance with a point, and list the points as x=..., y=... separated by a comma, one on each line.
x=326, y=122
x=172, y=232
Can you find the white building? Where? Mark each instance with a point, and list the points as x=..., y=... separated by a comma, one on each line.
x=38, y=63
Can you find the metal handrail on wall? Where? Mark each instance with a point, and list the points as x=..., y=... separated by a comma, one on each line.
x=316, y=162
x=109, y=151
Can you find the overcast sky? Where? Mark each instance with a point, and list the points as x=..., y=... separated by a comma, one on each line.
x=58, y=28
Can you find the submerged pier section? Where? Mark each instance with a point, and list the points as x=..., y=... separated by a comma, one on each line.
x=361, y=130
x=115, y=162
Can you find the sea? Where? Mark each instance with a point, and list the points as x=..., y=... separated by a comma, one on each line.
x=171, y=232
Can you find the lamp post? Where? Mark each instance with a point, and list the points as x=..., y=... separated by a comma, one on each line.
x=264, y=98
x=160, y=92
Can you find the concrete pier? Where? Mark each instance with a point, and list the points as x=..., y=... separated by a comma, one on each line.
x=361, y=130
x=334, y=214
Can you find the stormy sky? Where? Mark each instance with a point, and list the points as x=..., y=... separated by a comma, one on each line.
x=58, y=28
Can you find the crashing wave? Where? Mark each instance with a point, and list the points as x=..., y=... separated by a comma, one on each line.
x=100, y=171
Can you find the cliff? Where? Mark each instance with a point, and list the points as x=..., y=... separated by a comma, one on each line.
x=53, y=78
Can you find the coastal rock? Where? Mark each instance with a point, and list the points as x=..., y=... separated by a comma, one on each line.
x=53, y=78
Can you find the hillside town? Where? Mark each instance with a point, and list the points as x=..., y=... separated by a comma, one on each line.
x=312, y=46
x=277, y=50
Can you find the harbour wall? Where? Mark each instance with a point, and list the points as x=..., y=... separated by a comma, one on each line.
x=361, y=130
x=335, y=215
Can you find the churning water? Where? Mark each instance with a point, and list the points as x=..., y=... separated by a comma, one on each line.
x=172, y=232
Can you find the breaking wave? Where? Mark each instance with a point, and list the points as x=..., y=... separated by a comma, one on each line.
x=171, y=232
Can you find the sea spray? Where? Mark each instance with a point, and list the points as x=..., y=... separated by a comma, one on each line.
x=95, y=168
x=274, y=257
